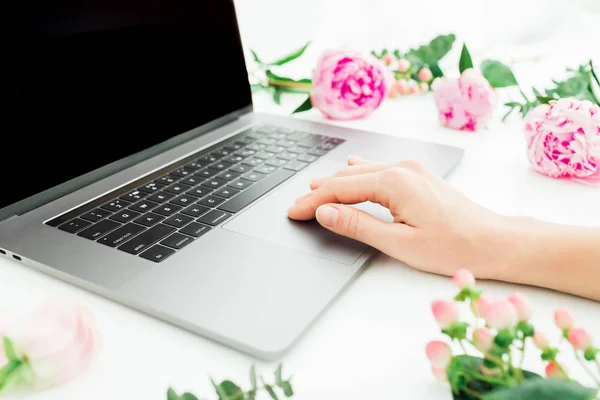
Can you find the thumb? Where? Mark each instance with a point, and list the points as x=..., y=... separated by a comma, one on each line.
x=359, y=225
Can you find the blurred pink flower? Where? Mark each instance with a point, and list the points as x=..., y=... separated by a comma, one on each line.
x=483, y=339
x=465, y=103
x=349, y=85
x=463, y=278
x=563, y=140
x=444, y=312
x=439, y=373
x=501, y=314
x=563, y=318
x=482, y=305
x=580, y=338
x=425, y=74
x=403, y=65
x=541, y=341
x=402, y=86
x=59, y=340
x=522, y=305
x=553, y=371
x=439, y=354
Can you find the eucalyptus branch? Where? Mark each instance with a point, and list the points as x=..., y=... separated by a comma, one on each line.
x=586, y=368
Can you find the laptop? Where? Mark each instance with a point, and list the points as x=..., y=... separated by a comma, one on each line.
x=134, y=167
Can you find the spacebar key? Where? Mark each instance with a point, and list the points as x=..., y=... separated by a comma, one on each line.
x=261, y=187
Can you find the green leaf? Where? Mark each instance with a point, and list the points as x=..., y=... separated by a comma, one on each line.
x=594, y=73
x=9, y=349
x=504, y=339
x=307, y=105
x=255, y=56
x=277, y=95
x=549, y=354
x=436, y=70
x=290, y=57
x=590, y=354
x=287, y=389
x=465, y=61
x=271, y=392
x=498, y=74
x=457, y=330
x=172, y=395
x=278, y=371
x=256, y=87
x=188, y=396
x=526, y=328
x=226, y=389
x=434, y=51
x=547, y=389
x=253, y=377
x=397, y=54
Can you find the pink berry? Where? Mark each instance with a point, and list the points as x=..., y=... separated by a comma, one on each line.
x=423, y=87
x=402, y=86
x=444, y=312
x=553, y=371
x=387, y=59
x=501, y=314
x=482, y=305
x=425, y=74
x=463, y=278
x=541, y=341
x=439, y=373
x=483, y=339
x=439, y=353
x=580, y=338
x=403, y=65
x=522, y=305
x=413, y=87
x=563, y=318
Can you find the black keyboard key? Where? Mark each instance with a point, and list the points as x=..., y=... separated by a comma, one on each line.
x=195, y=210
x=211, y=201
x=264, y=155
x=196, y=165
x=75, y=225
x=311, y=141
x=239, y=184
x=177, y=188
x=317, y=152
x=178, y=220
x=177, y=240
x=296, y=136
x=221, y=165
x=265, y=169
x=222, y=152
x=115, y=205
x=149, y=219
x=326, y=146
x=214, y=183
x=295, y=165
x=226, y=192
x=195, y=229
x=233, y=146
x=276, y=162
x=253, y=176
x=233, y=159
x=121, y=235
x=192, y=180
x=275, y=149
x=125, y=215
x=240, y=168
x=208, y=159
x=184, y=200
x=256, y=146
x=167, y=209
x=144, y=240
x=199, y=191
x=157, y=253
x=214, y=217
x=167, y=179
x=261, y=187
x=286, y=155
x=307, y=158
x=335, y=140
x=253, y=162
x=229, y=175
x=95, y=215
x=134, y=196
x=207, y=173
x=98, y=230
x=151, y=187
x=160, y=197
x=143, y=206
x=245, y=139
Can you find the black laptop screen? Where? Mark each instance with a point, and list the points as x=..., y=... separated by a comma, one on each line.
x=90, y=82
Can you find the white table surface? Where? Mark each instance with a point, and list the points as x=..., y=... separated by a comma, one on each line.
x=370, y=343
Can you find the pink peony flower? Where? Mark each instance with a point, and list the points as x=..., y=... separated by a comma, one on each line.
x=563, y=140
x=403, y=65
x=59, y=340
x=482, y=305
x=444, y=312
x=483, y=339
x=463, y=278
x=580, y=338
x=464, y=103
x=425, y=74
x=349, y=85
x=501, y=314
x=553, y=371
x=439, y=353
x=439, y=373
x=522, y=305
x=563, y=318
x=541, y=341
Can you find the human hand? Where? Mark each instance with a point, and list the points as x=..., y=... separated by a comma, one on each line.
x=436, y=228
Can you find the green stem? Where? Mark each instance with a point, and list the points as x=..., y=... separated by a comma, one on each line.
x=475, y=313
x=562, y=370
x=522, y=353
x=485, y=378
x=586, y=368
x=594, y=73
x=472, y=393
x=9, y=371
x=464, y=349
x=295, y=85
x=492, y=357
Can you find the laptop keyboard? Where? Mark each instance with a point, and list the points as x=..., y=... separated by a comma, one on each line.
x=161, y=213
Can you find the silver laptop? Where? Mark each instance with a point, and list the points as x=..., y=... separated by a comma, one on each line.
x=135, y=167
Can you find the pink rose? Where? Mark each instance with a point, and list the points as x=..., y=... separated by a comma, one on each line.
x=580, y=338
x=553, y=371
x=444, y=312
x=483, y=339
x=463, y=278
x=563, y=140
x=501, y=314
x=522, y=305
x=482, y=305
x=563, y=318
x=59, y=341
x=439, y=354
x=541, y=341
x=464, y=103
x=349, y=85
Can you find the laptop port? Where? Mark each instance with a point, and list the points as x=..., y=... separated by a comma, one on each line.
x=16, y=257
x=2, y=252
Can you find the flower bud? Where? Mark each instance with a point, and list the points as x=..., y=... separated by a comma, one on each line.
x=580, y=338
x=541, y=341
x=563, y=318
x=501, y=314
x=403, y=65
x=482, y=305
x=463, y=278
x=425, y=74
x=413, y=87
x=439, y=353
x=553, y=371
x=387, y=59
x=402, y=86
x=522, y=305
x=483, y=339
x=444, y=312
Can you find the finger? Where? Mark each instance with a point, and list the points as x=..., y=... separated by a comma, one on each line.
x=359, y=225
x=356, y=160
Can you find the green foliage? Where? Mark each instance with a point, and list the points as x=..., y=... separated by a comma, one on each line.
x=526, y=329
x=465, y=61
x=457, y=330
x=504, y=339
x=547, y=389
x=468, y=293
x=307, y=105
x=498, y=74
x=290, y=57
x=590, y=354
x=434, y=51
x=9, y=349
x=549, y=354
x=172, y=395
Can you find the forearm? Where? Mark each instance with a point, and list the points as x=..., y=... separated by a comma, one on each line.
x=559, y=257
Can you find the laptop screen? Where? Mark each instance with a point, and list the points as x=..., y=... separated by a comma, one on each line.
x=90, y=82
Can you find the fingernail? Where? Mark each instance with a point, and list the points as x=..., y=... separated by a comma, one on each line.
x=317, y=182
x=327, y=215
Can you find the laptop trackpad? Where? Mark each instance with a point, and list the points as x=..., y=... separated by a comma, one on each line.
x=268, y=220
